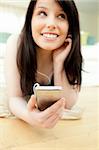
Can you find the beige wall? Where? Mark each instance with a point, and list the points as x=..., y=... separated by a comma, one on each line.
x=89, y=23
x=98, y=27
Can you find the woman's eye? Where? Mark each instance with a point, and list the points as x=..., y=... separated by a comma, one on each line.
x=62, y=16
x=42, y=13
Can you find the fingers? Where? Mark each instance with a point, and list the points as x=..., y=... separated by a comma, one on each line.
x=31, y=103
x=47, y=118
x=51, y=122
x=69, y=36
x=68, y=44
x=68, y=40
x=53, y=114
x=57, y=107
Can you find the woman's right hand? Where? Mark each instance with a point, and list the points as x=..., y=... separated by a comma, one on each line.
x=47, y=118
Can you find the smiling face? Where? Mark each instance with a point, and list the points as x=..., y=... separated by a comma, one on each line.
x=49, y=25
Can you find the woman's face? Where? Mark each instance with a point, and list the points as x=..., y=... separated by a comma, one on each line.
x=49, y=25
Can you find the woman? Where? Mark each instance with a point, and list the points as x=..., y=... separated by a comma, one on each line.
x=47, y=51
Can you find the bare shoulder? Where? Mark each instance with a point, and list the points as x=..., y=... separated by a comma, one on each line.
x=12, y=44
x=13, y=38
x=11, y=51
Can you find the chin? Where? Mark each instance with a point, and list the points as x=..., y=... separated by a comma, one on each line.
x=49, y=47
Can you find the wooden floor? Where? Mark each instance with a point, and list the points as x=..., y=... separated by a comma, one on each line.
x=80, y=134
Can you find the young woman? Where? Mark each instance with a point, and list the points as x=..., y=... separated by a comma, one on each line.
x=47, y=51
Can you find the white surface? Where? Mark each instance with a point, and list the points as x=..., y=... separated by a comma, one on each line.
x=91, y=65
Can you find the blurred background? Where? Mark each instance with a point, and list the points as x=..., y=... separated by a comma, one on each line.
x=12, y=14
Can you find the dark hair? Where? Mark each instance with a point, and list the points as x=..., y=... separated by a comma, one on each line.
x=26, y=55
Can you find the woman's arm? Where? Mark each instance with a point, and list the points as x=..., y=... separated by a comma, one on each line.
x=69, y=92
x=17, y=104
x=27, y=112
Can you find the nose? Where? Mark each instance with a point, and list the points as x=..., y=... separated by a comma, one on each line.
x=51, y=23
x=51, y=26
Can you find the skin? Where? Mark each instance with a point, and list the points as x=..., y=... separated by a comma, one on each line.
x=50, y=51
x=48, y=19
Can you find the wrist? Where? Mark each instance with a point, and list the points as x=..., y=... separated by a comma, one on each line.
x=58, y=68
x=58, y=77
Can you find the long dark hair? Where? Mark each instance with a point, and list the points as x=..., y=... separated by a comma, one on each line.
x=26, y=55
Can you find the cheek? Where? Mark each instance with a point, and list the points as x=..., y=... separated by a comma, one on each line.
x=35, y=26
x=66, y=31
x=35, y=34
x=65, y=28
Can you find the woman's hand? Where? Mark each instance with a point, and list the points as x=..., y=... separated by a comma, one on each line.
x=47, y=118
x=60, y=54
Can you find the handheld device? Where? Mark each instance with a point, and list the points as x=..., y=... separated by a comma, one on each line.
x=46, y=95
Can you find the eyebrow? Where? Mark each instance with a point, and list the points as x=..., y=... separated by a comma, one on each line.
x=42, y=7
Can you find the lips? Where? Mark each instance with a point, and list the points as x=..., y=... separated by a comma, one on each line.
x=50, y=35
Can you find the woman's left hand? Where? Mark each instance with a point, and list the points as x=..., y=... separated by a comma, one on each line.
x=60, y=54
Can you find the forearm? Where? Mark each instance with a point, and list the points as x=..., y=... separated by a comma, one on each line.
x=28, y=112
x=59, y=56
x=18, y=107
x=69, y=92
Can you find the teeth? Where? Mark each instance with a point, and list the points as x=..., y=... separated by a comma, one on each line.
x=50, y=35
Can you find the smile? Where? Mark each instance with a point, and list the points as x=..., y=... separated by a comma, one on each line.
x=50, y=35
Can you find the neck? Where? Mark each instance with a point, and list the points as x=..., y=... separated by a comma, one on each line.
x=44, y=59
x=44, y=55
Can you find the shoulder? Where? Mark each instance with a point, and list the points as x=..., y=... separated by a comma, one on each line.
x=12, y=44
x=11, y=50
x=13, y=40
